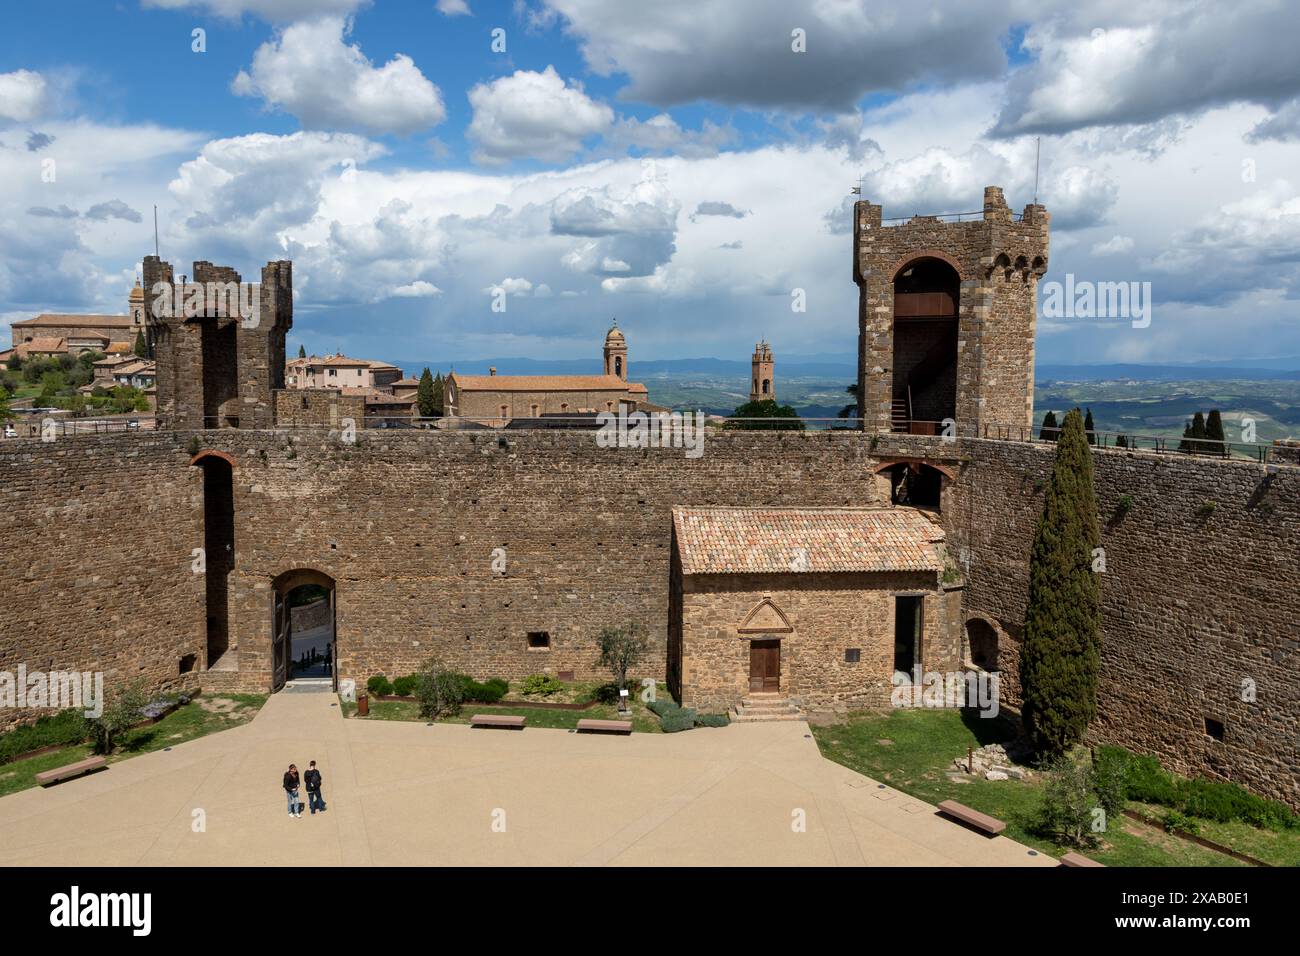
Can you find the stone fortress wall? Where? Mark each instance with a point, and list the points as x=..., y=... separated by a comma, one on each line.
x=97, y=536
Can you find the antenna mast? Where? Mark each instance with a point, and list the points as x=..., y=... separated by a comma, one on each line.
x=155, y=231
x=1038, y=151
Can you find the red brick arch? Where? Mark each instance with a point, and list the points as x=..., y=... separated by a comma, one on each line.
x=213, y=453
x=927, y=253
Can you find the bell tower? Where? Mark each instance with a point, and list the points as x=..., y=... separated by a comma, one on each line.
x=762, y=381
x=616, y=353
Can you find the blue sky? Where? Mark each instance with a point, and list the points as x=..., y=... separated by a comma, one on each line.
x=677, y=164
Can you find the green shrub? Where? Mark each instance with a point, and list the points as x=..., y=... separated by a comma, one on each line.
x=712, y=720
x=63, y=729
x=1176, y=822
x=1066, y=814
x=488, y=692
x=540, y=684
x=1224, y=802
x=1150, y=782
x=379, y=686
x=440, y=692
x=120, y=711
x=1110, y=769
x=605, y=693
x=405, y=686
x=683, y=719
x=662, y=706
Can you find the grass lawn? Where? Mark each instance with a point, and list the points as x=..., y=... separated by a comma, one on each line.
x=912, y=750
x=1276, y=847
x=201, y=716
x=643, y=721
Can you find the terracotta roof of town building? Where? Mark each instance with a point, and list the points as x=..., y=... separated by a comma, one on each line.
x=43, y=343
x=77, y=321
x=338, y=360
x=134, y=368
x=407, y=381
x=542, y=383
x=115, y=348
x=785, y=540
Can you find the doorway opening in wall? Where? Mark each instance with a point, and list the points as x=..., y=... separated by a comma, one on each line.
x=218, y=555
x=907, y=636
x=915, y=485
x=304, y=648
x=765, y=666
x=926, y=296
x=981, y=645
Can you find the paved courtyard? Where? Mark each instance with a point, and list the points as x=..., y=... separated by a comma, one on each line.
x=407, y=793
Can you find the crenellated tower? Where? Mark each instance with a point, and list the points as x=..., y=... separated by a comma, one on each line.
x=947, y=310
x=218, y=343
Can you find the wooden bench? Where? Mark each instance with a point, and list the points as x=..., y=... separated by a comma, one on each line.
x=71, y=770
x=1075, y=859
x=605, y=726
x=980, y=821
x=497, y=720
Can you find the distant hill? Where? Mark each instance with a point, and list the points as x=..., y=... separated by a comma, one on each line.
x=1166, y=373
x=829, y=367
x=836, y=368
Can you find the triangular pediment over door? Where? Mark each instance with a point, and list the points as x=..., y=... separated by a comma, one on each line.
x=765, y=617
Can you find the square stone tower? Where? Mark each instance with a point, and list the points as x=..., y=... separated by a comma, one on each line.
x=218, y=343
x=947, y=309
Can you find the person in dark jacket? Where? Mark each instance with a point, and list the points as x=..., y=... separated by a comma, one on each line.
x=314, y=798
x=291, y=790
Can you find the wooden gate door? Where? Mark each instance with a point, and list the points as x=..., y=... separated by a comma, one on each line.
x=280, y=643
x=765, y=665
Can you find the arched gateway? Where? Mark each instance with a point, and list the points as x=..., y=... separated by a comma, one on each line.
x=303, y=644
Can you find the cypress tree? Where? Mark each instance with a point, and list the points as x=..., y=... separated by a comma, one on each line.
x=1217, y=443
x=1048, y=432
x=1198, y=433
x=1121, y=441
x=141, y=347
x=1061, y=653
x=302, y=351
x=438, y=386
x=1186, y=443
x=1089, y=428
x=424, y=395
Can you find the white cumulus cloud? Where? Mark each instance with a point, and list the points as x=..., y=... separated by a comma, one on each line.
x=537, y=115
x=309, y=70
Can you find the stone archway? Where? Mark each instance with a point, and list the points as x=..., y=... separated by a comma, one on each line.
x=304, y=640
x=983, y=640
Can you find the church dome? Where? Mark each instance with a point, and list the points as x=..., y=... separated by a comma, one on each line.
x=614, y=336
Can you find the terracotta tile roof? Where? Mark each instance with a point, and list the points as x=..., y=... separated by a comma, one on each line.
x=782, y=540
x=77, y=321
x=44, y=343
x=135, y=368
x=541, y=383
x=406, y=381
x=117, y=347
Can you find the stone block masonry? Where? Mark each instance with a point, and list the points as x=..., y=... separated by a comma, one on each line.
x=96, y=553
x=96, y=534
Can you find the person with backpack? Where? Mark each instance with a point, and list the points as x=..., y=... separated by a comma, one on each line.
x=314, y=798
